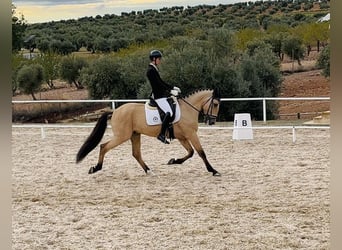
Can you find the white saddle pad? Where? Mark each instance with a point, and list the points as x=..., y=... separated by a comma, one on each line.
x=153, y=117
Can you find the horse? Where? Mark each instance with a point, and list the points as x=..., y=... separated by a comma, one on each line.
x=128, y=123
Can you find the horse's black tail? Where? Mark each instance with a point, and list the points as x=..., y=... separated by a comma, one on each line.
x=94, y=138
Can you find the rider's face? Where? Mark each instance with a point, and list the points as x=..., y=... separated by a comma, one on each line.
x=158, y=61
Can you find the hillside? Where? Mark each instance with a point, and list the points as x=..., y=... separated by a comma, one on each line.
x=304, y=84
x=114, y=32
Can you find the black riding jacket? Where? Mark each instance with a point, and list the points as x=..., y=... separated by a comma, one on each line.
x=159, y=87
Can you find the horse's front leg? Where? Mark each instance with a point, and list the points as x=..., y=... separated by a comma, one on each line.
x=186, y=144
x=197, y=145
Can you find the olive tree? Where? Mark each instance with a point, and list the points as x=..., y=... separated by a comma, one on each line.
x=323, y=61
x=293, y=47
x=50, y=63
x=133, y=72
x=261, y=69
x=70, y=69
x=30, y=79
x=187, y=65
x=18, y=61
x=103, y=79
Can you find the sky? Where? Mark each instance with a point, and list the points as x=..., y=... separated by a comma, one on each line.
x=38, y=11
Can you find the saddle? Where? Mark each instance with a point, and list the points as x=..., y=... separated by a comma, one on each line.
x=155, y=115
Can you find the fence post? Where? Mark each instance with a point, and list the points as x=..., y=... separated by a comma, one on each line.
x=264, y=109
x=293, y=134
x=42, y=132
x=113, y=105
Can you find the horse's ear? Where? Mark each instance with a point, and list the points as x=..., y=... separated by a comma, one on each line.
x=216, y=93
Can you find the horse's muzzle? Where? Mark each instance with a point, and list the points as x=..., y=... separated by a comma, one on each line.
x=211, y=120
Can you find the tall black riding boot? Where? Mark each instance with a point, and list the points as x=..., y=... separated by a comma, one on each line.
x=165, y=124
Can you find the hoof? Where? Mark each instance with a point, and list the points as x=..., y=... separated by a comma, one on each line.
x=91, y=170
x=172, y=161
x=95, y=169
x=150, y=172
x=175, y=161
x=216, y=173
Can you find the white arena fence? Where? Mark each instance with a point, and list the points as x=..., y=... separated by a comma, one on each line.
x=263, y=99
x=42, y=127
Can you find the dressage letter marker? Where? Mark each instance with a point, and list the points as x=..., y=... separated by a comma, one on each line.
x=242, y=127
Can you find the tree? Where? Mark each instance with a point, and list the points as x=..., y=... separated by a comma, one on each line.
x=187, y=65
x=70, y=69
x=228, y=79
x=276, y=41
x=50, y=63
x=18, y=30
x=293, y=47
x=30, y=78
x=246, y=35
x=17, y=62
x=55, y=46
x=102, y=44
x=221, y=42
x=133, y=73
x=117, y=44
x=313, y=33
x=64, y=47
x=323, y=61
x=260, y=68
x=43, y=46
x=103, y=79
x=275, y=37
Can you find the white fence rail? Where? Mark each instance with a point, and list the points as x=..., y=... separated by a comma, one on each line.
x=263, y=99
x=43, y=127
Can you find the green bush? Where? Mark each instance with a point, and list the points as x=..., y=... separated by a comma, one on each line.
x=323, y=61
x=30, y=79
x=70, y=69
x=103, y=79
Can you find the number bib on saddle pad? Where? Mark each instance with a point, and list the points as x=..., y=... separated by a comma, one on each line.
x=153, y=117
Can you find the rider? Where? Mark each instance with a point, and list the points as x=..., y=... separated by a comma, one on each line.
x=160, y=91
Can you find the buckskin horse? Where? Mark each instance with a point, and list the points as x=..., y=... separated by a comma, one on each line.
x=129, y=122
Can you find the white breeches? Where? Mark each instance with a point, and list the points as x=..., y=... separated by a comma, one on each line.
x=164, y=105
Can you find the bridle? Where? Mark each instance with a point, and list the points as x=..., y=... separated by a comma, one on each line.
x=209, y=115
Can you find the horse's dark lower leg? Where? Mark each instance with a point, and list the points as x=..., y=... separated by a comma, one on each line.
x=197, y=145
x=136, y=151
x=95, y=168
x=186, y=144
x=207, y=164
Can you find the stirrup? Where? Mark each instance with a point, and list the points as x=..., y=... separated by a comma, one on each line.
x=163, y=139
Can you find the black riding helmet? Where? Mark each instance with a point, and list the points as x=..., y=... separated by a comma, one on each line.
x=155, y=54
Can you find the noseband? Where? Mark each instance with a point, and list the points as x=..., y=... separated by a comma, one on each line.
x=209, y=115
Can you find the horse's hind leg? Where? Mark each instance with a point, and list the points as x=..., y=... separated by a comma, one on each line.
x=186, y=144
x=104, y=148
x=136, y=151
